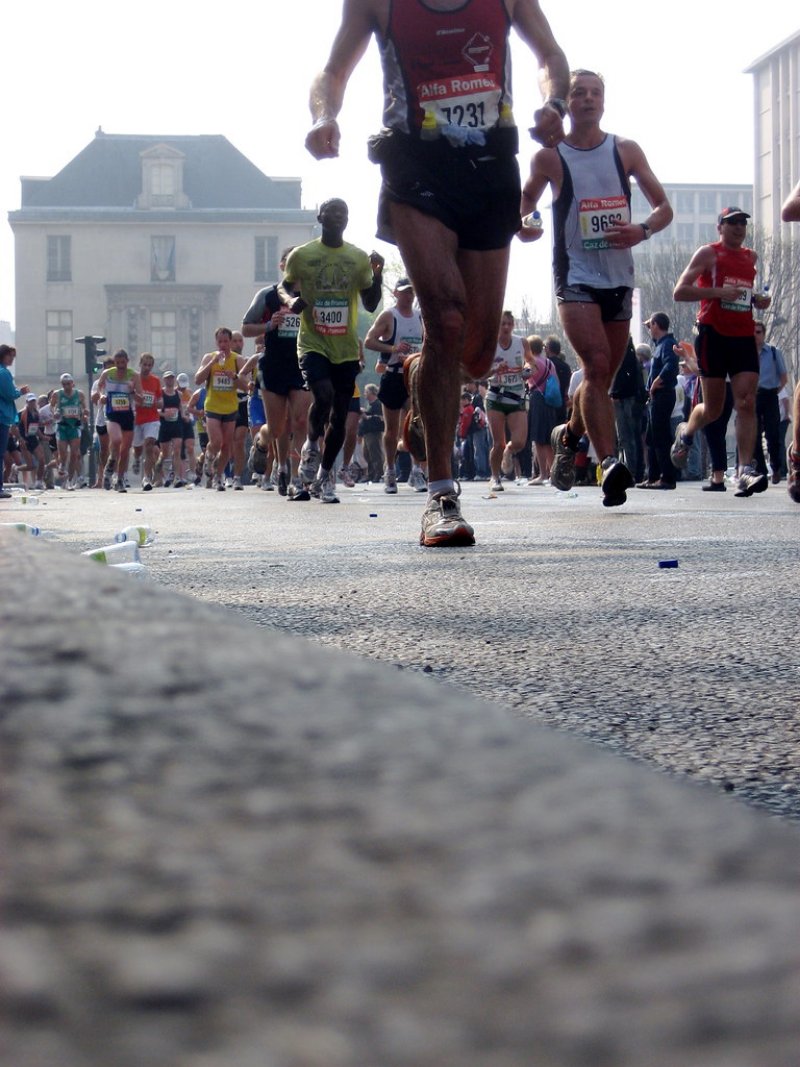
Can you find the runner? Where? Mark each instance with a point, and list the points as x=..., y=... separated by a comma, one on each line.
x=329, y=274
x=593, y=267
x=219, y=372
x=506, y=406
x=146, y=422
x=722, y=277
x=119, y=385
x=187, y=428
x=450, y=196
x=170, y=437
x=280, y=381
x=396, y=334
x=71, y=412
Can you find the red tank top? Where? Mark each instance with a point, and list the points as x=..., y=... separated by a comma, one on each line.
x=456, y=64
x=733, y=266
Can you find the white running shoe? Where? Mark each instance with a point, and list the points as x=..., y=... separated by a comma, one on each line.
x=328, y=489
x=389, y=481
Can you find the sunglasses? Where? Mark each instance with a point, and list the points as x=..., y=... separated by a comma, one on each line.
x=738, y=221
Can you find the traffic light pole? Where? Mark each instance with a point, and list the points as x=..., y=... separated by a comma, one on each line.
x=93, y=361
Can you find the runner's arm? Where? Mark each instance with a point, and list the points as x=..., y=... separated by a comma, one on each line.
x=532, y=26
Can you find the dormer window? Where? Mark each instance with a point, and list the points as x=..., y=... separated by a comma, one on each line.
x=162, y=179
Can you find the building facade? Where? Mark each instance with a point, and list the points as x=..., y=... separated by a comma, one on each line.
x=776, y=96
x=696, y=207
x=149, y=241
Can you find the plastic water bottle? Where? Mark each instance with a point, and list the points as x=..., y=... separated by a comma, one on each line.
x=23, y=527
x=533, y=221
x=31, y=501
x=141, y=535
x=429, y=130
x=125, y=552
x=134, y=569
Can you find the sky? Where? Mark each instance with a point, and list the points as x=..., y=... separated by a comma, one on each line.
x=674, y=83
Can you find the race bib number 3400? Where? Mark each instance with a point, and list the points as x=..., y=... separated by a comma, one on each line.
x=331, y=316
x=598, y=216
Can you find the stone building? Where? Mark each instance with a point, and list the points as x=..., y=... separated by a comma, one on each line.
x=149, y=241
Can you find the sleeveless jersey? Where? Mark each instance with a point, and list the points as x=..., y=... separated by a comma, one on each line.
x=733, y=266
x=506, y=371
x=455, y=64
x=32, y=422
x=118, y=394
x=69, y=407
x=281, y=343
x=171, y=409
x=595, y=194
x=407, y=329
x=330, y=281
x=221, y=398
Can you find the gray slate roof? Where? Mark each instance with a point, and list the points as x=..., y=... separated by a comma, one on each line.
x=107, y=173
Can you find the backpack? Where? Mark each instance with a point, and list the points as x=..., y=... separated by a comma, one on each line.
x=549, y=387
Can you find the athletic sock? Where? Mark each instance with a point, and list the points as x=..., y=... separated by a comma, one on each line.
x=446, y=485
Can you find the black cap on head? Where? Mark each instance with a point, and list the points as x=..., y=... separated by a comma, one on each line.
x=729, y=213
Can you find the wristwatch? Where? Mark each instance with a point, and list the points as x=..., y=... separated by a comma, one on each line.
x=646, y=229
x=557, y=104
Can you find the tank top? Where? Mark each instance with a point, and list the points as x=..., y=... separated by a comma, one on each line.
x=595, y=194
x=407, y=329
x=32, y=423
x=732, y=266
x=69, y=407
x=170, y=407
x=456, y=64
x=118, y=393
x=221, y=398
x=509, y=380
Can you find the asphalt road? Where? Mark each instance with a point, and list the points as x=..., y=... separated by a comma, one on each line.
x=560, y=612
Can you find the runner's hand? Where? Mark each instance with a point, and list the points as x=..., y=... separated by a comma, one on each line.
x=548, y=127
x=322, y=140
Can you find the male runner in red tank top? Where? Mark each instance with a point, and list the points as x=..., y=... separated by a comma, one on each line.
x=722, y=277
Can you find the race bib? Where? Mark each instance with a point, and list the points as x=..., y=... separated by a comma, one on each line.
x=742, y=303
x=510, y=379
x=289, y=327
x=170, y=414
x=331, y=316
x=120, y=402
x=471, y=100
x=71, y=411
x=597, y=216
x=148, y=400
x=223, y=382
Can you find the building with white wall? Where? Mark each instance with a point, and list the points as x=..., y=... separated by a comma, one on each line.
x=149, y=241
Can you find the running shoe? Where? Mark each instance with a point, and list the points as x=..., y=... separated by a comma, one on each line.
x=389, y=482
x=442, y=523
x=297, y=491
x=257, y=459
x=714, y=487
x=496, y=486
x=346, y=476
x=750, y=481
x=507, y=462
x=219, y=484
x=179, y=484
x=237, y=483
x=793, y=466
x=168, y=481
x=119, y=485
x=283, y=482
x=413, y=431
x=228, y=483
x=417, y=480
x=107, y=475
x=562, y=469
x=266, y=484
x=309, y=463
x=616, y=479
x=328, y=489
x=679, y=453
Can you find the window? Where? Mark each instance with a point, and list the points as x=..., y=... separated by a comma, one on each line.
x=162, y=259
x=708, y=203
x=162, y=179
x=164, y=337
x=59, y=265
x=686, y=232
x=684, y=203
x=60, y=342
x=708, y=233
x=266, y=259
